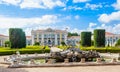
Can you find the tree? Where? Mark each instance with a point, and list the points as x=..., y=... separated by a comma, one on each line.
x=37, y=43
x=17, y=38
x=99, y=37
x=63, y=43
x=72, y=34
x=92, y=42
x=117, y=43
x=86, y=38
x=7, y=43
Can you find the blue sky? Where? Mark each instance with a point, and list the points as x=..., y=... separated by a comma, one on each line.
x=76, y=15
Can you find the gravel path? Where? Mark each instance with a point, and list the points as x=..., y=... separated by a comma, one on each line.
x=64, y=69
x=3, y=68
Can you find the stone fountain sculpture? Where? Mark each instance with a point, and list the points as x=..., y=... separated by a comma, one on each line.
x=74, y=55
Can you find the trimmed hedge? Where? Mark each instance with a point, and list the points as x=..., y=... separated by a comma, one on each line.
x=24, y=51
x=99, y=37
x=103, y=50
x=86, y=38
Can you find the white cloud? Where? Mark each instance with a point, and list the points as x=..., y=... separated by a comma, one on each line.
x=92, y=24
x=12, y=2
x=106, y=18
x=77, y=17
x=77, y=1
x=93, y=6
x=109, y=28
x=72, y=8
x=113, y=29
x=26, y=23
x=117, y=5
x=76, y=30
x=44, y=4
x=7, y=22
x=67, y=18
x=31, y=4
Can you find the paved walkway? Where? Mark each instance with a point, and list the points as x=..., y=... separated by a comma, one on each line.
x=64, y=69
x=3, y=68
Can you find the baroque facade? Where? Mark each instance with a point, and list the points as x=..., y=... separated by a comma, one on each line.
x=111, y=39
x=3, y=38
x=49, y=36
x=73, y=40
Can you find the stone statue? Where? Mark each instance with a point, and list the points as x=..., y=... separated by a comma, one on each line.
x=74, y=55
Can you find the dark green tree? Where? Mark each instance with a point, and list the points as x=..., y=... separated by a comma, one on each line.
x=63, y=43
x=86, y=38
x=7, y=43
x=117, y=43
x=17, y=38
x=92, y=42
x=37, y=43
x=72, y=34
x=99, y=37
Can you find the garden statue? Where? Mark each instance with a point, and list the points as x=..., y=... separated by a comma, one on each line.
x=74, y=55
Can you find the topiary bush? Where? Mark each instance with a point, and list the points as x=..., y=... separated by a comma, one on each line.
x=86, y=38
x=99, y=37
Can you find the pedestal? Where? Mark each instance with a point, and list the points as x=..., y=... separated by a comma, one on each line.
x=50, y=61
x=66, y=60
x=98, y=60
x=114, y=60
x=82, y=60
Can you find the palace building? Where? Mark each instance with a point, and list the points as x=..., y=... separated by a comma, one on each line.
x=111, y=39
x=3, y=38
x=49, y=36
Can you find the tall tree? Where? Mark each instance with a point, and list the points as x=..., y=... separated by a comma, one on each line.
x=72, y=34
x=86, y=38
x=117, y=43
x=99, y=37
x=17, y=38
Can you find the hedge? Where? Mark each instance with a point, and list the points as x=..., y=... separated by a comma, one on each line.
x=86, y=38
x=99, y=37
x=24, y=51
x=103, y=50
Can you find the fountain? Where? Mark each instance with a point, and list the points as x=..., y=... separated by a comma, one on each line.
x=74, y=55
x=69, y=57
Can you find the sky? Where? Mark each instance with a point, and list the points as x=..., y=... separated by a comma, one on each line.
x=73, y=15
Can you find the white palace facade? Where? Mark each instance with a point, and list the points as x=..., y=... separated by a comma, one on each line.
x=49, y=36
x=3, y=38
x=111, y=39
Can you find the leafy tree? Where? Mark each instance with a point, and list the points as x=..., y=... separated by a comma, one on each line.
x=72, y=34
x=7, y=43
x=99, y=37
x=92, y=42
x=17, y=38
x=37, y=43
x=86, y=38
x=118, y=43
x=63, y=43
